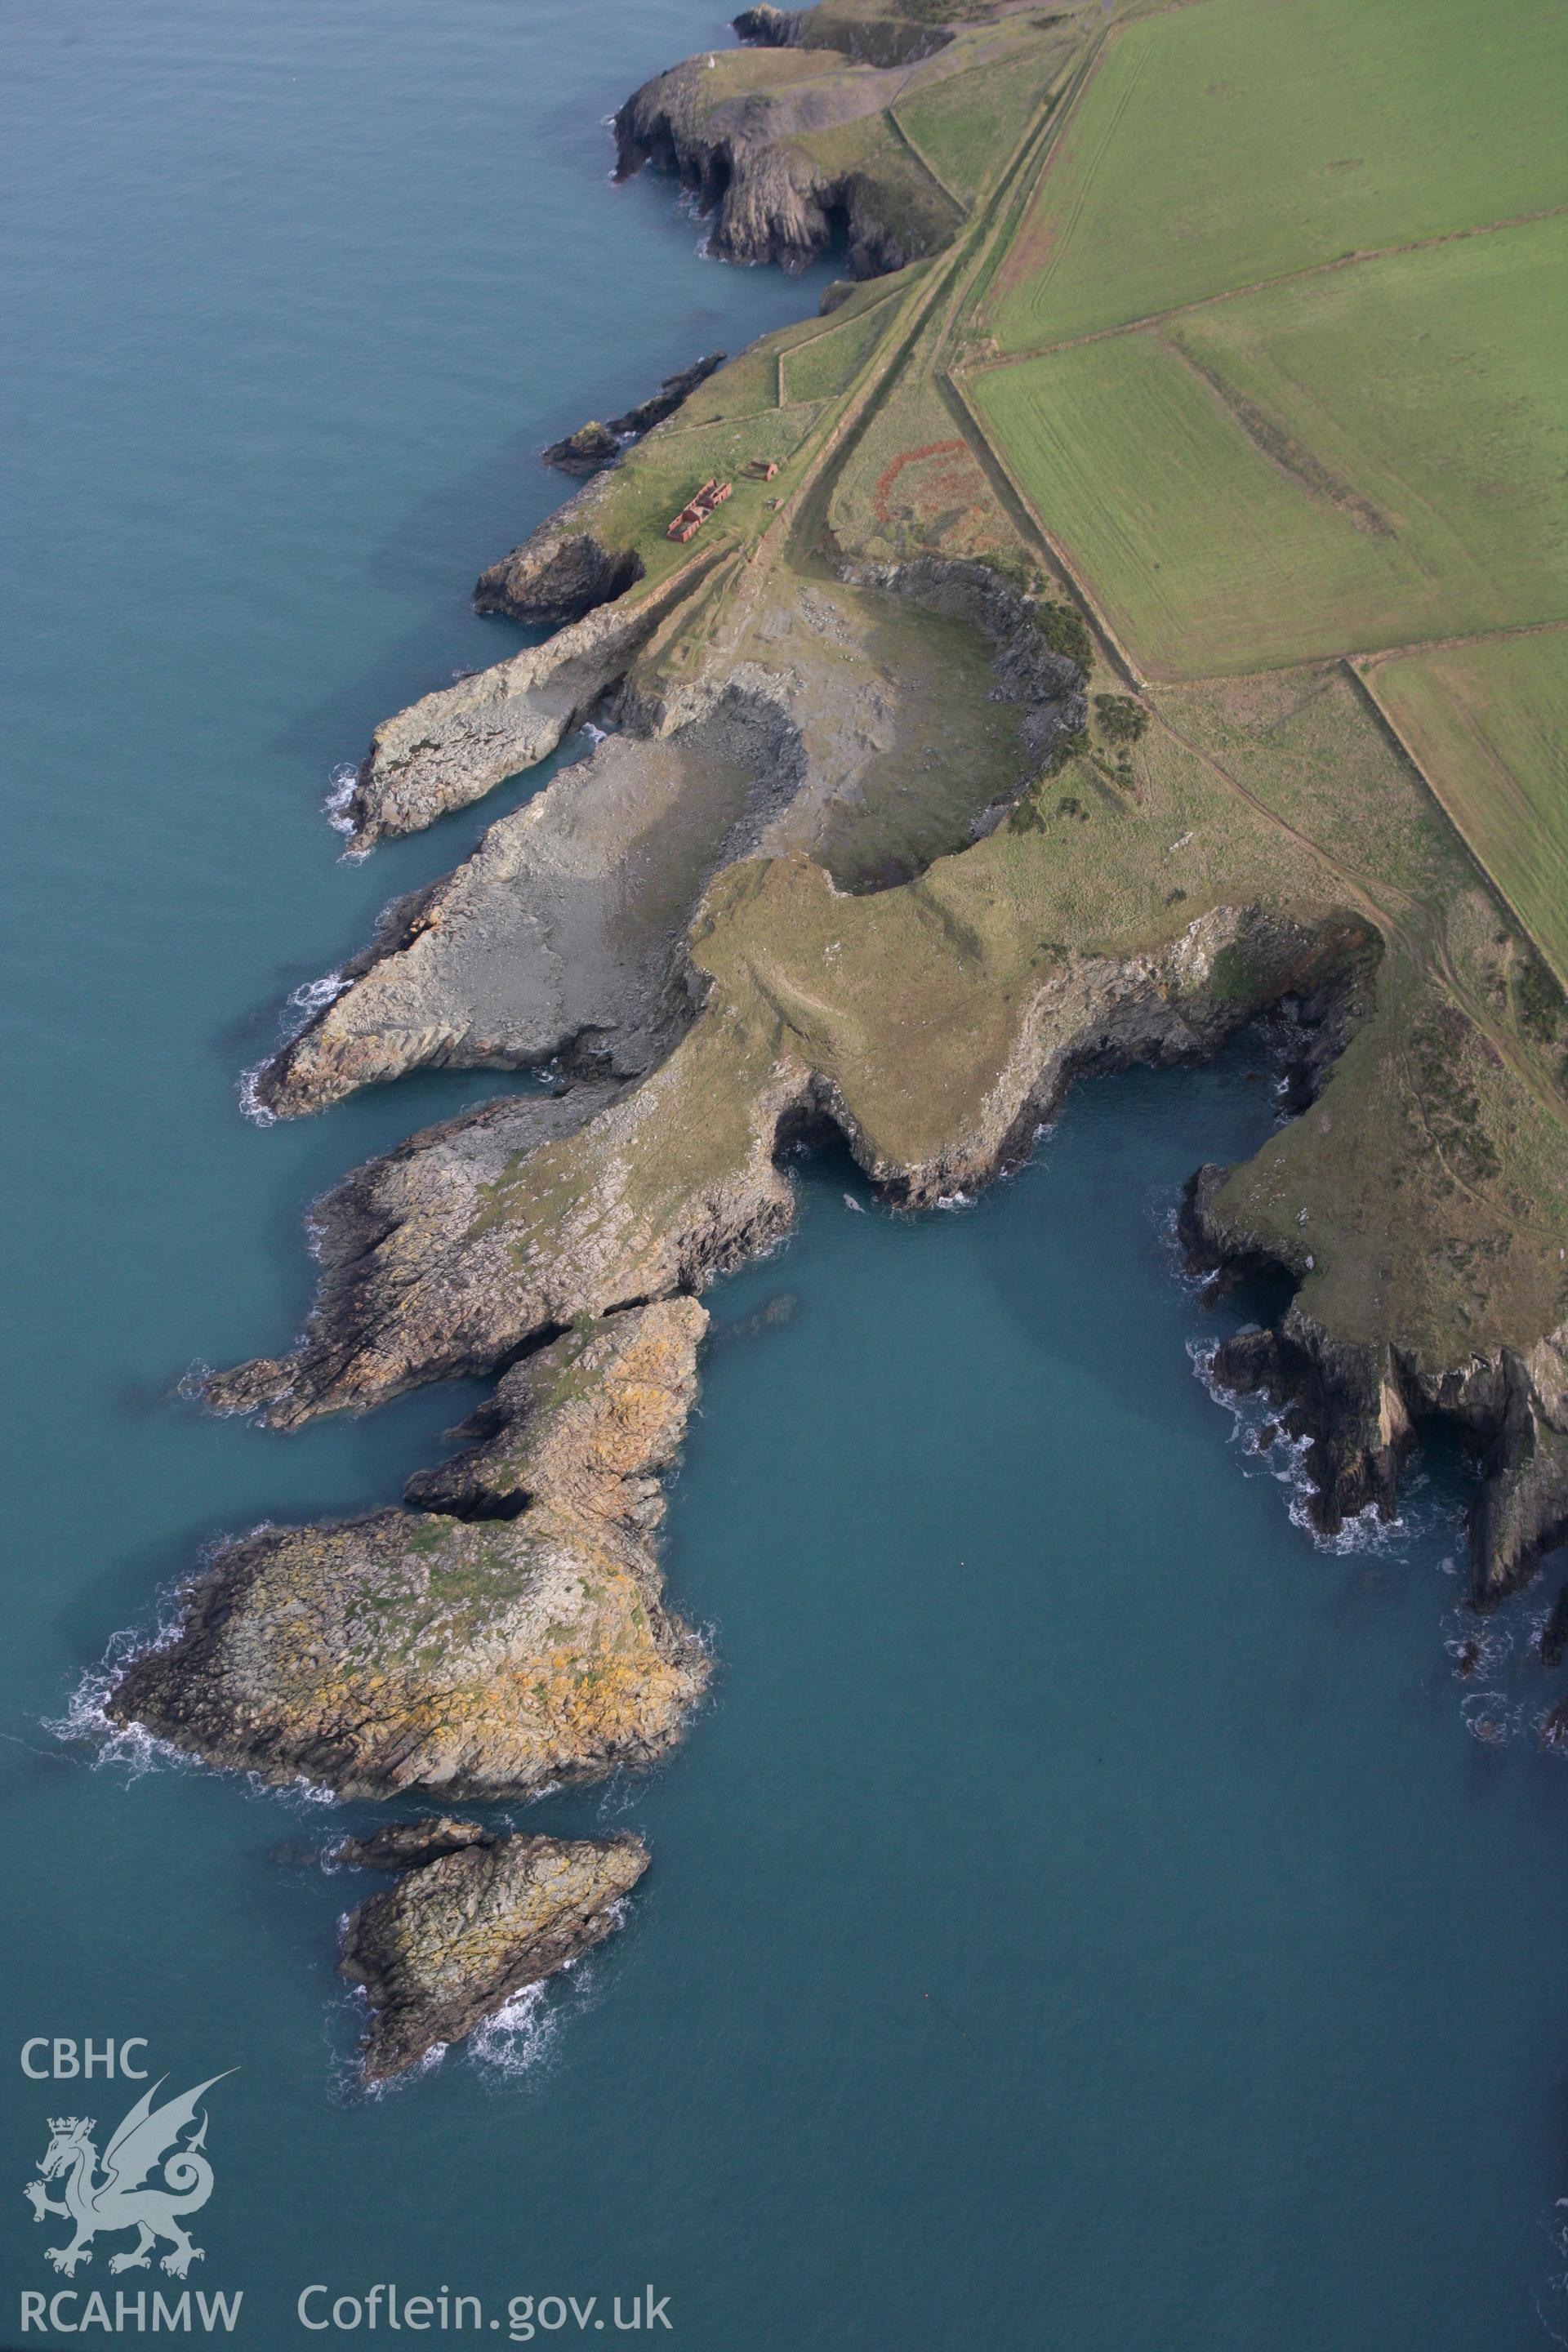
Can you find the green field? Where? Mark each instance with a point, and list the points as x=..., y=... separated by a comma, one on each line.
x=967, y=127
x=1487, y=725
x=825, y=362
x=1361, y=458
x=1233, y=140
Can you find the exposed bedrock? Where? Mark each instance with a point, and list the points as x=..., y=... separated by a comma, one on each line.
x=404, y=1845
x=562, y=570
x=562, y=937
x=1048, y=687
x=597, y=444
x=432, y=1267
x=397, y=1214
x=459, y=1935
x=769, y=198
x=1361, y=1405
x=452, y=747
x=493, y=1654
x=889, y=40
x=768, y=27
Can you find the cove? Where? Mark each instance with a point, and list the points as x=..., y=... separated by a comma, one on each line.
x=1083, y=1914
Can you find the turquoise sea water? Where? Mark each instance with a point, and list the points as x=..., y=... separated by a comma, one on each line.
x=1087, y=1914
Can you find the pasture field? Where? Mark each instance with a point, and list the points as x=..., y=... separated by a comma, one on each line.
x=1204, y=556
x=1487, y=725
x=1360, y=459
x=967, y=127
x=1232, y=141
x=822, y=365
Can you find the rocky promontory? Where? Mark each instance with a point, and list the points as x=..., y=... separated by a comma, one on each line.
x=562, y=570
x=745, y=155
x=561, y=940
x=460, y=1934
x=498, y=1653
x=859, y=859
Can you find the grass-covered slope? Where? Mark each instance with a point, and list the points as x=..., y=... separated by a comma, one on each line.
x=1488, y=724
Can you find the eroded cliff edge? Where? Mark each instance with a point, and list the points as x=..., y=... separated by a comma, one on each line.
x=878, y=844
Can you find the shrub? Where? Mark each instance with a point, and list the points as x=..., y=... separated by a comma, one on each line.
x=1122, y=720
x=1541, y=1002
x=1065, y=631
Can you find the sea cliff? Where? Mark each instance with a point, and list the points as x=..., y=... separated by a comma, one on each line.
x=881, y=837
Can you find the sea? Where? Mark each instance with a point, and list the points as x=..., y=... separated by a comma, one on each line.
x=1090, y=1914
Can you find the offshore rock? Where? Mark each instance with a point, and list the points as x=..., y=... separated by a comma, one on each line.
x=403, y=1845
x=453, y=1941
x=593, y=445
x=489, y=1657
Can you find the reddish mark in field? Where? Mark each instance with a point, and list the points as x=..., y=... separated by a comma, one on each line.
x=909, y=458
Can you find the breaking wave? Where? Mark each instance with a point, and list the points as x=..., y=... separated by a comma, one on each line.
x=87, y=1723
x=340, y=797
x=301, y=1007
x=249, y=1088
x=1269, y=1451
x=519, y=2036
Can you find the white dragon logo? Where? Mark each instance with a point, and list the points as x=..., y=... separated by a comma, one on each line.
x=147, y=2139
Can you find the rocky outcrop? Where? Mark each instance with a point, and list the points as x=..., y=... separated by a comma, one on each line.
x=1361, y=1407
x=433, y=1266
x=566, y=568
x=769, y=198
x=562, y=570
x=422, y=1278
x=403, y=1845
x=452, y=747
x=457, y=1938
x=767, y=27
x=561, y=939
x=587, y=1421
x=1048, y=685
x=892, y=39
x=490, y=1655
x=387, y=1226
x=596, y=444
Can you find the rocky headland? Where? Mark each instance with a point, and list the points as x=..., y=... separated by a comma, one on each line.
x=884, y=842
x=505, y=1637
x=764, y=155
x=471, y=1924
